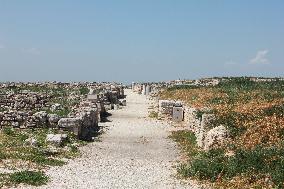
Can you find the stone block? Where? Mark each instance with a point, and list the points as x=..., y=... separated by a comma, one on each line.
x=177, y=114
x=93, y=97
x=215, y=137
x=56, y=139
x=71, y=124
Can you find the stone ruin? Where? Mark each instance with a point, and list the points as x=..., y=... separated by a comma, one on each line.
x=26, y=109
x=144, y=89
x=176, y=111
x=206, y=136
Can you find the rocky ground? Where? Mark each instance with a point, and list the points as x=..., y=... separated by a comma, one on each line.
x=133, y=152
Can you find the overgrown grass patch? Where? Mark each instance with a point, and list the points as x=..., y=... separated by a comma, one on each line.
x=13, y=145
x=215, y=165
x=15, y=148
x=186, y=140
x=35, y=178
x=84, y=90
x=253, y=113
x=153, y=114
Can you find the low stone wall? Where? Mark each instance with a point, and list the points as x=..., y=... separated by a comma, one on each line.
x=83, y=123
x=201, y=125
x=166, y=108
x=207, y=136
x=35, y=110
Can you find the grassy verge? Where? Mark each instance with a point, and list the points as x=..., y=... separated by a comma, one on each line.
x=256, y=168
x=16, y=147
x=253, y=114
x=34, y=178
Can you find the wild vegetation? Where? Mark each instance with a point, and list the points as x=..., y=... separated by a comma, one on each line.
x=25, y=150
x=253, y=112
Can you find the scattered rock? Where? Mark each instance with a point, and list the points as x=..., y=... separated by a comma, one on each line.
x=55, y=107
x=53, y=118
x=56, y=139
x=41, y=116
x=31, y=141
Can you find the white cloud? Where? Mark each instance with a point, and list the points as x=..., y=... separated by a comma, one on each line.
x=32, y=50
x=260, y=58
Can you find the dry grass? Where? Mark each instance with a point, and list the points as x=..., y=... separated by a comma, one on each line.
x=254, y=114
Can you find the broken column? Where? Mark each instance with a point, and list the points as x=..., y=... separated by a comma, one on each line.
x=206, y=123
x=148, y=90
x=144, y=89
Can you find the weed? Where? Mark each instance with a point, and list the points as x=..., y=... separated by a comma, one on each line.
x=187, y=141
x=84, y=90
x=9, y=131
x=153, y=114
x=35, y=178
x=277, y=110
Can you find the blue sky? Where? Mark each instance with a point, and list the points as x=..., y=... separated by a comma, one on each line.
x=140, y=40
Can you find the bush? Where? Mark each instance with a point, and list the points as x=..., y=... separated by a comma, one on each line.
x=9, y=131
x=207, y=165
x=277, y=110
x=214, y=164
x=178, y=87
x=29, y=177
x=84, y=90
x=231, y=121
x=3, y=155
x=187, y=141
x=240, y=83
x=153, y=114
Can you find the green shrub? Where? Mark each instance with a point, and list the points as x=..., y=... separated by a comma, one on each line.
x=187, y=141
x=207, y=165
x=153, y=114
x=29, y=177
x=217, y=100
x=277, y=110
x=230, y=120
x=179, y=87
x=63, y=113
x=3, y=155
x=241, y=83
x=84, y=90
x=258, y=161
x=9, y=131
x=36, y=155
x=39, y=159
x=199, y=113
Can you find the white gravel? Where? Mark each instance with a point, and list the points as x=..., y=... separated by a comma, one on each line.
x=134, y=153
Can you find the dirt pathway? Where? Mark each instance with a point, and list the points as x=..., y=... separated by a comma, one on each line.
x=134, y=152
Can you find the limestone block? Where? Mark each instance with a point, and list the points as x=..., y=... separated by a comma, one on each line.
x=56, y=139
x=71, y=124
x=41, y=116
x=216, y=136
x=53, y=118
x=55, y=107
x=207, y=120
x=177, y=114
x=205, y=125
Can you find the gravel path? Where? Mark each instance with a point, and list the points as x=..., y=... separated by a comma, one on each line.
x=134, y=153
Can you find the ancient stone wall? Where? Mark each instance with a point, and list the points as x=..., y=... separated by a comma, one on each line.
x=207, y=136
x=35, y=109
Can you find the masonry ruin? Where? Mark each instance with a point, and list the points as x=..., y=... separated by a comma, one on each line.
x=75, y=107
